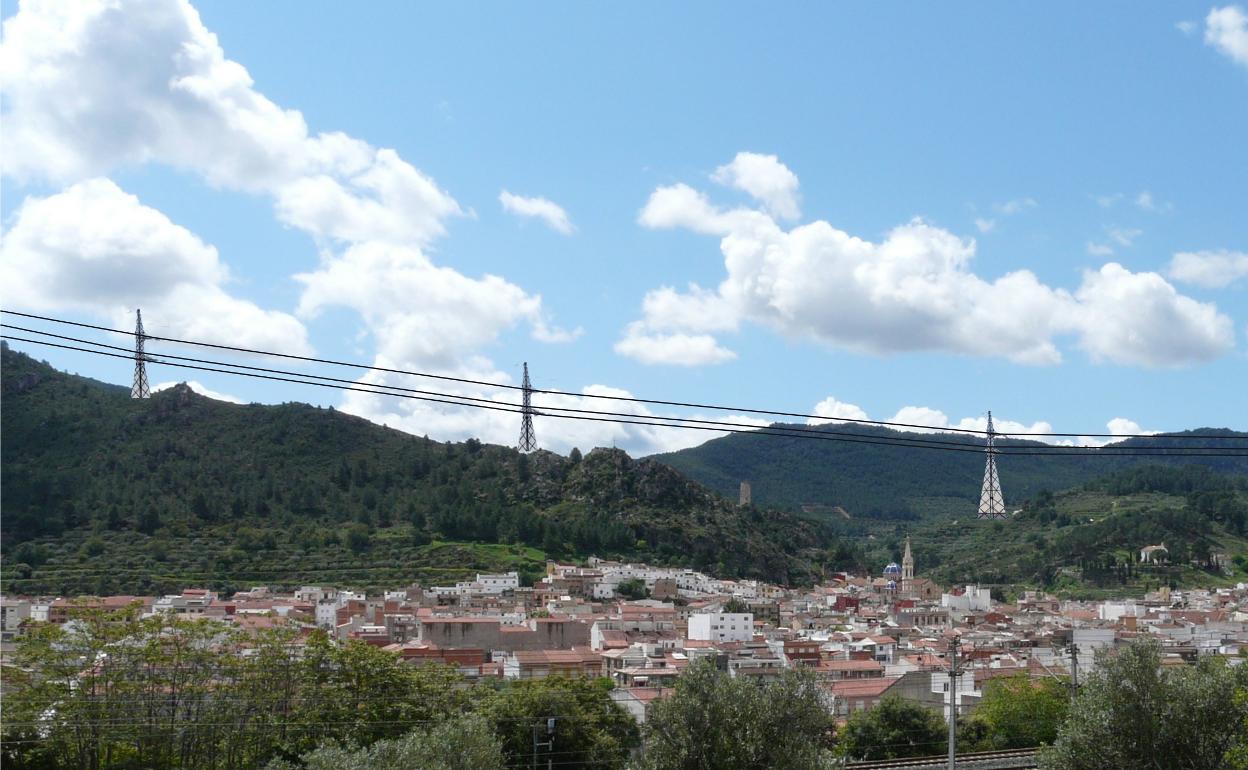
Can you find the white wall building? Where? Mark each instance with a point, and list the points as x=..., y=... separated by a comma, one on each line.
x=497, y=584
x=722, y=626
x=975, y=599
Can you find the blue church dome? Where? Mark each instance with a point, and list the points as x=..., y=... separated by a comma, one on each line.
x=892, y=569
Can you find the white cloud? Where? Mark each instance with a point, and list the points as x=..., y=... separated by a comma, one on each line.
x=1210, y=269
x=1139, y=319
x=1118, y=427
x=541, y=208
x=673, y=349
x=201, y=390
x=421, y=315
x=96, y=249
x=1121, y=426
x=553, y=433
x=935, y=421
x=1107, y=201
x=914, y=290
x=1226, y=29
x=1145, y=201
x=764, y=178
x=94, y=87
x=985, y=225
x=832, y=410
x=1187, y=27
x=1015, y=206
x=1122, y=236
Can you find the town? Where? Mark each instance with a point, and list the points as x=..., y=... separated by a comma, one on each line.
x=641, y=626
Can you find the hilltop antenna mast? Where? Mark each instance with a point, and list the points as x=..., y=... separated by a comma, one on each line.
x=528, y=440
x=140, y=388
x=991, y=504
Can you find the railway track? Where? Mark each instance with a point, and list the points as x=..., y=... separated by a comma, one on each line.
x=1013, y=759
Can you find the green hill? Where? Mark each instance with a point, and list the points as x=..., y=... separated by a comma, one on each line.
x=890, y=483
x=103, y=493
x=1089, y=538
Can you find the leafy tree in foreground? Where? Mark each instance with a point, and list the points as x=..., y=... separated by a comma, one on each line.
x=590, y=729
x=463, y=743
x=1237, y=757
x=718, y=722
x=1132, y=714
x=893, y=728
x=1017, y=712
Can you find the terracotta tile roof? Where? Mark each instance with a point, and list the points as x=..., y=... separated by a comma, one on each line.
x=863, y=688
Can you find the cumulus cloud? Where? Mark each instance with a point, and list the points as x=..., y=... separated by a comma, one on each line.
x=1139, y=319
x=925, y=419
x=831, y=410
x=765, y=179
x=553, y=432
x=1118, y=428
x=539, y=208
x=1226, y=29
x=1210, y=269
x=674, y=349
x=95, y=248
x=95, y=87
x=913, y=290
x=929, y=420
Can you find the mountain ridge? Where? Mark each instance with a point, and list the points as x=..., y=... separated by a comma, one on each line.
x=184, y=482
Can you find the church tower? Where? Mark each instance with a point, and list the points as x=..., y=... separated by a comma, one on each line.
x=907, y=569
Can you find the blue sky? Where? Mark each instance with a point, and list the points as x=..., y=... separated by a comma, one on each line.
x=895, y=207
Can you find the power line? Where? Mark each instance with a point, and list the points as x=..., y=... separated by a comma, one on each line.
x=383, y=389
x=656, y=420
x=631, y=399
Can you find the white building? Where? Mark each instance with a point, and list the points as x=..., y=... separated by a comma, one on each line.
x=327, y=613
x=722, y=626
x=497, y=584
x=974, y=599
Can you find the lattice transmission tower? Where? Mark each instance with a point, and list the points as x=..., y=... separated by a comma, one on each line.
x=528, y=439
x=140, y=388
x=991, y=503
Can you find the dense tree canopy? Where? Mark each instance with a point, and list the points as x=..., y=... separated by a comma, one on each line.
x=108, y=690
x=1017, y=712
x=1132, y=713
x=181, y=488
x=717, y=722
x=893, y=728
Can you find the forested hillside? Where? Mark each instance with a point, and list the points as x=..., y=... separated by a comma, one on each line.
x=105, y=493
x=1089, y=537
x=890, y=483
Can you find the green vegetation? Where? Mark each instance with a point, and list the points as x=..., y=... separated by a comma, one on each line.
x=1132, y=713
x=1016, y=713
x=892, y=729
x=457, y=743
x=105, y=494
x=718, y=722
x=889, y=484
x=633, y=588
x=166, y=693
x=1087, y=540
